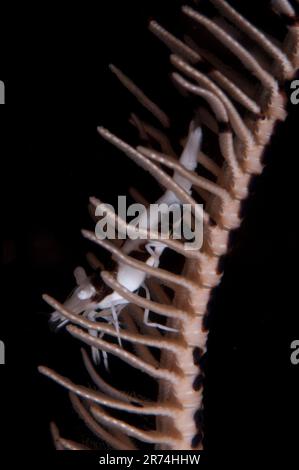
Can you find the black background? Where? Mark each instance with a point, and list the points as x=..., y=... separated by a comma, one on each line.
x=58, y=89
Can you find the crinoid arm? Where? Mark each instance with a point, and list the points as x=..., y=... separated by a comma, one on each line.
x=160, y=330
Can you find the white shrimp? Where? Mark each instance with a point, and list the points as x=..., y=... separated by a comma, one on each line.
x=109, y=307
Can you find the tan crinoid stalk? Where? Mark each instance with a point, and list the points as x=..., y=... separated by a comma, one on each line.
x=243, y=103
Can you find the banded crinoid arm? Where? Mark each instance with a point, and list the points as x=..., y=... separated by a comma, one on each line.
x=235, y=75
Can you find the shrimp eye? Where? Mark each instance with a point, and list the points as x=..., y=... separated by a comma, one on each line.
x=86, y=293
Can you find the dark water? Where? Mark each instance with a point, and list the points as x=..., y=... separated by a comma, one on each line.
x=58, y=90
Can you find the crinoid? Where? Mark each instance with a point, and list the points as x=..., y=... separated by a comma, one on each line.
x=148, y=315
